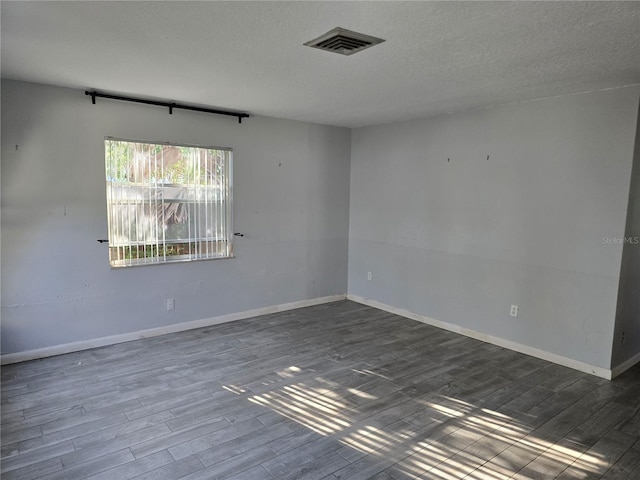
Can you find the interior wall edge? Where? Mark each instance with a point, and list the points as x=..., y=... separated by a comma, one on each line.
x=154, y=332
x=626, y=337
x=624, y=366
x=605, y=373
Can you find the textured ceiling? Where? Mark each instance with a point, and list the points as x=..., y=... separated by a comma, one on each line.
x=438, y=56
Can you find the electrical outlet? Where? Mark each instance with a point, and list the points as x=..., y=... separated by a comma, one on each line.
x=622, y=338
x=171, y=304
x=368, y=275
x=514, y=310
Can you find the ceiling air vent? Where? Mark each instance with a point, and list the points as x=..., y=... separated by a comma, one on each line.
x=343, y=41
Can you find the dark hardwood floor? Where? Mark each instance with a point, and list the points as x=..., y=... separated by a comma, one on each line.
x=335, y=391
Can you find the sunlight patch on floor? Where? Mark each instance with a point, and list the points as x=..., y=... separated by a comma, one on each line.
x=448, y=439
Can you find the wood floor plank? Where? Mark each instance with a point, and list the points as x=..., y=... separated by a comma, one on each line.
x=172, y=471
x=34, y=470
x=316, y=469
x=597, y=460
x=135, y=468
x=99, y=464
x=38, y=455
x=627, y=467
x=284, y=464
x=235, y=465
x=168, y=439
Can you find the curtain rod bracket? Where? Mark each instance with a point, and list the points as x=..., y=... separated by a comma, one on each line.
x=170, y=105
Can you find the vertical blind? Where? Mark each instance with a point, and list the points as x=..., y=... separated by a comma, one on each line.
x=167, y=203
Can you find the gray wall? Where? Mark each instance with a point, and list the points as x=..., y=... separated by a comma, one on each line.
x=626, y=342
x=446, y=232
x=291, y=199
x=452, y=235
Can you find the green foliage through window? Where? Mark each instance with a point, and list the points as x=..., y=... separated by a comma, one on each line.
x=167, y=202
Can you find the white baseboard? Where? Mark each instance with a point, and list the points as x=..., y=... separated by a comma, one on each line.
x=624, y=366
x=501, y=342
x=154, y=332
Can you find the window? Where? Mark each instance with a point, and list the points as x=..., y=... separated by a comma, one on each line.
x=167, y=203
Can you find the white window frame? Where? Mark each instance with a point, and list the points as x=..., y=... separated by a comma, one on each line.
x=156, y=216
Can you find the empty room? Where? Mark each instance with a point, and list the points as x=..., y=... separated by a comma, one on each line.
x=320, y=240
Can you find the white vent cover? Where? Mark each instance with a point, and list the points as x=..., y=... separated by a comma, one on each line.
x=343, y=41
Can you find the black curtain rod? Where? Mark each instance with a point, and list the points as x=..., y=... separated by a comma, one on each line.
x=170, y=106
